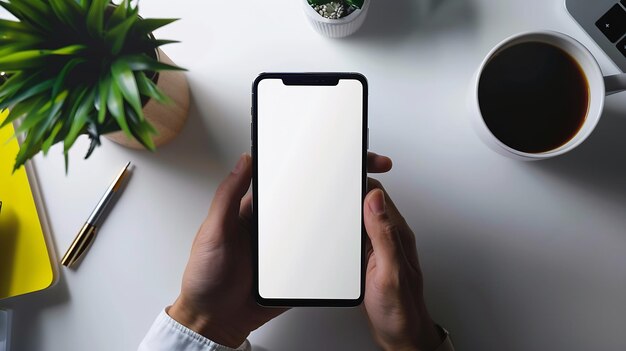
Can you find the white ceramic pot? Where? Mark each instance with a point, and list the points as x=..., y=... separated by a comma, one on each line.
x=336, y=28
x=598, y=85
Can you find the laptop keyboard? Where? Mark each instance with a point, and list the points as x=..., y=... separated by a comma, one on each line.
x=622, y=46
x=613, y=25
x=605, y=22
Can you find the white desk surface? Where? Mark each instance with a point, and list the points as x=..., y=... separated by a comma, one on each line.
x=517, y=256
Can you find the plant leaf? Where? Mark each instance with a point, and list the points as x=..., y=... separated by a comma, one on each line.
x=356, y=3
x=13, y=84
x=51, y=139
x=115, y=103
x=95, y=17
x=81, y=117
x=103, y=95
x=130, y=9
x=66, y=159
x=9, y=27
x=27, y=151
x=34, y=58
x=142, y=62
x=13, y=44
x=18, y=83
x=69, y=50
x=28, y=12
x=118, y=15
x=20, y=109
x=47, y=112
x=75, y=100
x=149, y=89
x=149, y=25
x=153, y=44
x=32, y=119
x=37, y=6
x=23, y=60
x=142, y=131
x=109, y=127
x=29, y=92
x=68, y=12
x=117, y=35
x=58, y=83
x=92, y=146
x=125, y=81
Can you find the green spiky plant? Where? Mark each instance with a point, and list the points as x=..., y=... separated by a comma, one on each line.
x=78, y=67
x=356, y=4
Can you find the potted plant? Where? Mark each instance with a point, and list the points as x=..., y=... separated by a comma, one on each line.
x=91, y=67
x=336, y=18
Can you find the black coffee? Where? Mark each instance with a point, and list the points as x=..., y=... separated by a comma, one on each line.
x=533, y=97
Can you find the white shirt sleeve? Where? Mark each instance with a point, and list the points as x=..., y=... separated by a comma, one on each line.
x=166, y=334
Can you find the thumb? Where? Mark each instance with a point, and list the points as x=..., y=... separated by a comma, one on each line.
x=227, y=199
x=383, y=232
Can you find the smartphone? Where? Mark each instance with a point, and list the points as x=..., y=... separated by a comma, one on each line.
x=309, y=149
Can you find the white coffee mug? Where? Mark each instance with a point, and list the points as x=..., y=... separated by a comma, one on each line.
x=599, y=88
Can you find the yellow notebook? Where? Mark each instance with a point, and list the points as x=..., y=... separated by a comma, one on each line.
x=25, y=264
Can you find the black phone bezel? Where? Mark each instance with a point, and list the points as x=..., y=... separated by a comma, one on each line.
x=306, y=79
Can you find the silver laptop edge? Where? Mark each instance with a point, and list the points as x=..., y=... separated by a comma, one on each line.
x=587, y=13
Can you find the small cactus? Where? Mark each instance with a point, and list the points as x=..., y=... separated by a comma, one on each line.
x=335, y=9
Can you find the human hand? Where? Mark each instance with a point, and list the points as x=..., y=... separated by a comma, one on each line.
x=216, y=297
x=394, y=298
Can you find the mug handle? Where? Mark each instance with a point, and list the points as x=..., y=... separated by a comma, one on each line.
x=615, y=84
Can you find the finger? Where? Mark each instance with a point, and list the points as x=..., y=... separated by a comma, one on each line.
x=245, y=212
x=224, y=210
x=245, y=208
x=378, y=164
x=368, y=248
x=383, y=233
x=407, y=236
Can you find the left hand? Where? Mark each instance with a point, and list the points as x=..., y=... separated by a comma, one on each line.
x=216, y=297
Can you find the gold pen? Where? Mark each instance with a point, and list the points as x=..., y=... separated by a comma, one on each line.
x=88, y=231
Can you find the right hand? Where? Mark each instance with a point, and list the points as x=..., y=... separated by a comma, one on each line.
x=394, y=297
x=216, y=296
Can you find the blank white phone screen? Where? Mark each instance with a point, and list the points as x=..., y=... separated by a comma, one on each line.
x=310, y=150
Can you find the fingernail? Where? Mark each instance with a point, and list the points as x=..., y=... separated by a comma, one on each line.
x=377, y=202
x=240, y=164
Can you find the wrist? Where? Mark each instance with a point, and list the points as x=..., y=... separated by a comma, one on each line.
x=426, y=337
x=205, y=325
x=431, y=336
